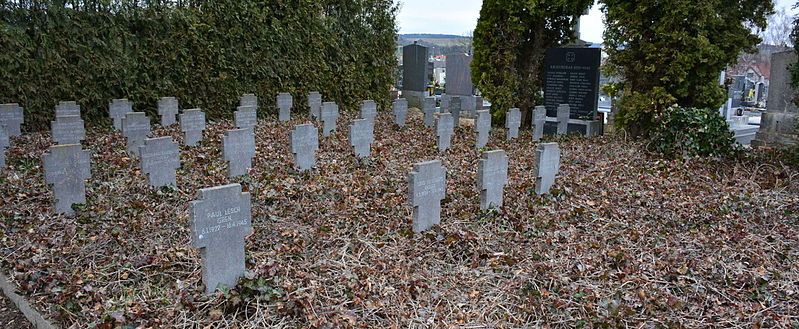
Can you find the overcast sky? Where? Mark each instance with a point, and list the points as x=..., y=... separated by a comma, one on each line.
x=460, y=17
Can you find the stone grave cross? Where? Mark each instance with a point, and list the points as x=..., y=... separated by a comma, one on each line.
x=539, y=120
x=248, y=100
x=455, y=109
x=362, y=134
x=135, y=127
x=304, y=143
x=492, y=176
x=67, y=108
x=246, y=117
x=117, y=110
x=12, y=116
x=400, y=110
x=168, y=110
x=548, y=164
x=220, y=221
x=192, y=123
x=4, y=144
x=329, y=117
x=284, y=105
x=429, y=108
x=68, y=129
x=239, y=149
x=513, y=120
x=444, y=131
x=315, y=104
x=427, y=186
x=563, y=118
x=67, y=167
x=369, y=110
x=159, y=159
x=483, y=126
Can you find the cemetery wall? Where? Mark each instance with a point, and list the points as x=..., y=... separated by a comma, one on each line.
x=205, y=53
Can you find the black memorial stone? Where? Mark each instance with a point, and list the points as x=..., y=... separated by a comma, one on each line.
x=572, y=77
x=414, y=68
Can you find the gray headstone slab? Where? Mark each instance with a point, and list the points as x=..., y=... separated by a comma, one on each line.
x=400, y=110
x=220, y=221
x=246, y=117
x=315, y=104
x=548, y=165
x=192, y=123
x=459, y=74
x=4, y=144
x=468, y=106
x=483, y=126
x=427, y=186
x=304, y=143
x=563, y=118
x=239, y=149
x=329, y=117
x=513, y=120
x=117, y=110
x=444, y=131
x=135, y=128
x=539, y=120
x=284, y=104
x=66, y=167
x=455, y=109
x=249, y=100
x=168, y=110
x=429, y=109
x=12, y=116
x=492, y=176
x=369, y=110
x=68, y=129
x=362, y=134
x=67, y=108
x=160, y=157
x=445, y=100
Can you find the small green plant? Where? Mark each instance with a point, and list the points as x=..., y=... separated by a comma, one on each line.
x=692, y=132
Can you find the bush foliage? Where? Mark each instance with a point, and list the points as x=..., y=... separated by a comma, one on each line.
x=692, y=132
x=206, y=53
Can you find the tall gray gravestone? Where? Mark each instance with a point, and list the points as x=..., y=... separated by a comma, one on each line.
x=220, y=221
x=67, y=108
x=362, y=134
x=192, y=123
x=315, y=104
x=304, y=143
x=455, y=109
x=67, y=167
x=563, y=118
x=168, y=110
x=249, y=100
x=539, y=121
x=400, y=110
x=513, y=120
x=444, y=131
x=135, y=128
x=483, y=126
x=12, y=116
x=117, y=110
x=427, y=186
x=68, y=129
x=415, y=75
x=779, y=123
x=369, y=110
x=238, y=147
x=492, y=176
x=246, y=117
x=329, y=117
x=160, y=157
x=468, y=106
x=429, y=109
x=284, y=104
x=459, y=75
x=548, y=164
x=4, y=144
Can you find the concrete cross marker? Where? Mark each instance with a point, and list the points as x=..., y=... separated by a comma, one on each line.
x=246, y=117
x=117, y=110
x=67, y=108
x=159, y=159
x=135, y=127
x=483, y=126
x=168, y=109
x=284, y=104
x=12, y=116
x=563, y=118
x=455, y=109
x=427, y=186
x=513, y=120
x=68, y=129
x=220, y=221
x=4, y=144
x=548, y=158
x=429, y=109
x=315, y=104
x=192, y=123
x=304, y=143
x=239, y=149
x=67, y=167
x=369, y=110
x=400, y=110
x=329, y=117
x=539, y=120
x=445, y=99
x=468, y=105
x=444, y=131
x=492, y=176
x=249, y=100
x=362, y=134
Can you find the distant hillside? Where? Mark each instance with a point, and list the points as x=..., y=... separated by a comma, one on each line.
x=430, y=36
x=439, y=44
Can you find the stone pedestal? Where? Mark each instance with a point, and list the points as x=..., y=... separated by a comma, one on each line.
x=779, y=126
x=415, y=98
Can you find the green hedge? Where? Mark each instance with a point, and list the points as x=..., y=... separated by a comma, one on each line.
x=205, y=53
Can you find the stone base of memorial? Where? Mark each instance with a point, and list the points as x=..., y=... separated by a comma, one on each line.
x=582, y=127
x=415, y=98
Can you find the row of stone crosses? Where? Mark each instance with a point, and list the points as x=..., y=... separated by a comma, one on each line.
x=221, y=218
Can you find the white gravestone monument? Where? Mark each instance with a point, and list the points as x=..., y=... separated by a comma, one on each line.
x=249, y=100
x=483, y=126
x=369, y=110
x=135, y=128
x=329, y=117
x=304, y=143
x=513, y=120
x=400, y=110
x=117, y=110
x=284, y=104
x=192, y=123
x=548, y=164
x=67, y=108
x=67, y=167
x=492, y=176
x=362, y=134
x=68, y=129
x=238, y=147
x=168, y=110
x=315, y=104
x=444, y=131
x=159, y=159
x=427, y=186
x=246, y=117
